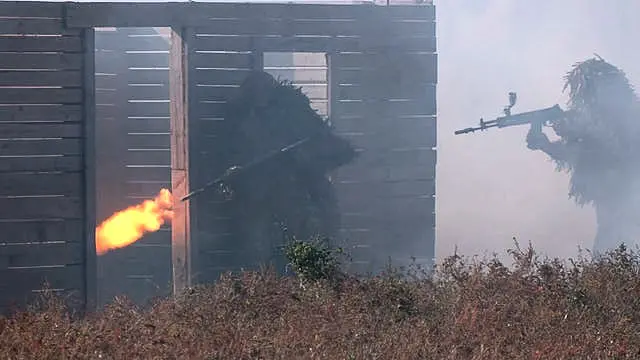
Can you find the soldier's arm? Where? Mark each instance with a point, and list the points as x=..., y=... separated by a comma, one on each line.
x=557, y=150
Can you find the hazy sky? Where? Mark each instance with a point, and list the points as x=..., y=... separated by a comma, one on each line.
x=490, y=187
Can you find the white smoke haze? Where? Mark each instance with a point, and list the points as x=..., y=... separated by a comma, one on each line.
x=490, y=187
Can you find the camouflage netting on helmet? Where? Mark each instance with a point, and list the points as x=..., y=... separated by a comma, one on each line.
x=602, y=136
x=289, y=194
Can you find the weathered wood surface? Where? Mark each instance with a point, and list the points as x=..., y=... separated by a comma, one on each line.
x=201, y=14
x=41, y=78
x=32, y=9
x=183, y=246
x=35, y=61
x=89, y=188
x=41, y=113
x=43, y=163
x=41, y=208
x=314, y=44
x=41, y=184
x=16, y=283
x=41, y=231
x=40, y=96
x=41, y=147
x=44, y=185
x=46, y=254
x=136, y=76
x=70, y=44
x=385, y=104
x=35, y=26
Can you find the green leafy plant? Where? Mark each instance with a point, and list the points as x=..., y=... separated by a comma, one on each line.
x=313, y=260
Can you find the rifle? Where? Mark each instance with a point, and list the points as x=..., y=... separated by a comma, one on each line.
x=238, y=169
x=537, y=118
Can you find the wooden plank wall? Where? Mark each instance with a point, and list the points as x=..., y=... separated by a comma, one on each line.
x=133, y=103
x=43, y=177
x=382, y=75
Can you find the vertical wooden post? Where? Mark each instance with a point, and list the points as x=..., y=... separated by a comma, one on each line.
x=89, y=118
x=180, y=183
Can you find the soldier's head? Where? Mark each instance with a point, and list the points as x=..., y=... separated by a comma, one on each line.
x=257, y=88
x=597, y=86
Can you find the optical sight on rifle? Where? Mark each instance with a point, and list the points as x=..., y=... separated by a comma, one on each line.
x=536, y=118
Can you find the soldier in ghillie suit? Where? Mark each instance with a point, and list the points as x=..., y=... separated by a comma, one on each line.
x=598, y=145
x=287, y=195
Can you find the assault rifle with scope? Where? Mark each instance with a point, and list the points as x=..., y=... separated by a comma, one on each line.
x=537, y=118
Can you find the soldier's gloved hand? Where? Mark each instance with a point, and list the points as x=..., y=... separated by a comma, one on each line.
x=536, y=140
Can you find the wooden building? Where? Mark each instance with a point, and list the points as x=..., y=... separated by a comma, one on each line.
x=97, y=120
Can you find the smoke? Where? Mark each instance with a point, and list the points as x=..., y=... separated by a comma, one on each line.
x=490, y=187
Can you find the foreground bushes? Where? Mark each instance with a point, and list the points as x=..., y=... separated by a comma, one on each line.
x=535, y=309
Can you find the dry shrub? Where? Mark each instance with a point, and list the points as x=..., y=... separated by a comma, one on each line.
x=469, y=309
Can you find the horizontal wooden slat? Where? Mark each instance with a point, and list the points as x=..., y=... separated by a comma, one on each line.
x=41, y=254
x=41, y=78
x=220, y=77
x=148, y=174
x=40, y=184
x=35, y=61
x=41, y=147
x=147, y=59
x=147, y=108
x=158, y=242
x=145, y=189
x=41, y=44
x=31, y=9
x=222, y=60
x=355, y=92
x=42, y=26
x=148, y=92
x=148, y=141
x=40, y=231
x=390, y=208
x=359, y=68
x=47, y=163
x=366, y=61
x=41, y=113
x=215, y=93
x=15, y=281
x=40, y=130
x=389, y=134
x=162, y=157
x=210, y=127
x=107, y=81
x=384, y=190
x=40, y=96
x=147, y=125
x=147, y=76
x=115, y=64
x=168, y=14
x=145, y=43
x=108, y=97
x=417, y=164
x=312, y=44
x=325, y=27
x=300, y=75
x=41, y=208
x=425, y=106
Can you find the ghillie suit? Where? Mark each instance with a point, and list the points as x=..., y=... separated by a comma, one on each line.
x=288, y=195
x=598, y=145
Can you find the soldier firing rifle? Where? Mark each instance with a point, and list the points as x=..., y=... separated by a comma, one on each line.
x=598, y=146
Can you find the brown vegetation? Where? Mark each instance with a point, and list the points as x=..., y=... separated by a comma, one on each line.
x=536, y=309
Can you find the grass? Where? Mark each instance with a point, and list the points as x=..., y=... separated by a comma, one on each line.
x=470, y=309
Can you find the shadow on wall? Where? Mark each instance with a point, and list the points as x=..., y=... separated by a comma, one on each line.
x=490, y=187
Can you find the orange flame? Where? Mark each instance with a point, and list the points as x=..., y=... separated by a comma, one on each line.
x=128, y=226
